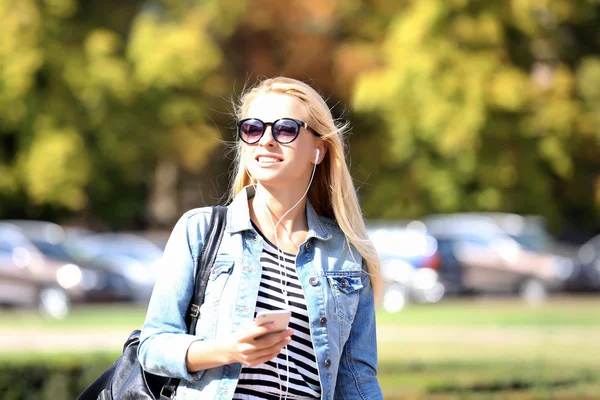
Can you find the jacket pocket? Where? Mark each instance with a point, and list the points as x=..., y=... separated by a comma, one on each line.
x=219, y=268
x=219, y=274
x=345, y=288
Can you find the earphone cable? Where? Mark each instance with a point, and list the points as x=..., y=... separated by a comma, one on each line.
x=280, y=256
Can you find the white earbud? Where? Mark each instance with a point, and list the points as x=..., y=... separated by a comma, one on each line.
x=317, y=156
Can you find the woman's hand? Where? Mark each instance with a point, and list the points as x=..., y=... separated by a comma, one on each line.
x=251, y=345
x=255, y=345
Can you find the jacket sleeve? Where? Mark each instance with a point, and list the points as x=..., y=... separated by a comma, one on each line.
x=164, y=340
x=357, y=375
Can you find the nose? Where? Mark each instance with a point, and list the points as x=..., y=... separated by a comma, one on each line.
x=267, y=138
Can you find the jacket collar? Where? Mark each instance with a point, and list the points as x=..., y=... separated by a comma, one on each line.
x=238, y=217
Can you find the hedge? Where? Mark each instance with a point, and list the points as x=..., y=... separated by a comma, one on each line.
x=52, y=378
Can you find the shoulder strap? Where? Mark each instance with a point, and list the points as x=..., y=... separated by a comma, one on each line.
x=206, y=259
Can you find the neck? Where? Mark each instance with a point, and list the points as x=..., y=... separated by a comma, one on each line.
x=287, y=208
x=282, y=219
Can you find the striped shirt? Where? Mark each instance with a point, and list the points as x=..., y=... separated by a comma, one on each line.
x=270, y=380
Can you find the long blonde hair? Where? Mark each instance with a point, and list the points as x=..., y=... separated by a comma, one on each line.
x=332, y=193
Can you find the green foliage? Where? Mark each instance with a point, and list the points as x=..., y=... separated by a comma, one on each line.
x=480, y=108
x=467, y=105
x=486, y=380
x=67, y=376
x=93, y=95
x=60, y=377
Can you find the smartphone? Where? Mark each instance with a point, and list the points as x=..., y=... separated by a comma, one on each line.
x=281, y=319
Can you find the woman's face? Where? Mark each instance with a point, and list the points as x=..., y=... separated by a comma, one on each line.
x=270, y=162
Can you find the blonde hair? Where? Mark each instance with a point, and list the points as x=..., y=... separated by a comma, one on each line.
x=332, y=193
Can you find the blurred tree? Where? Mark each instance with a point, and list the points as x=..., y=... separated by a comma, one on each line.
x=486, y=106
x=114, y=110
x=94, y=95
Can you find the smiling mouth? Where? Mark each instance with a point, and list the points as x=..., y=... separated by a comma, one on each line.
x=268, y=160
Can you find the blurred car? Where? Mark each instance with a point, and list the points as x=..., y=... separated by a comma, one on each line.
x=409, y=259
x=99, y=284
x=498, y=253
x=27, y=278
x=134, y=256
x=587, y=274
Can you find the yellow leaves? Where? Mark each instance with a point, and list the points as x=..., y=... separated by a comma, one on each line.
x=524, y=13
x=21, y=17
x=101, y=43
x=439, y=182
x=588, y=85
x=104, y=70
x=55, y=169
x=597, y=192
x=555, y=111
x=553, y=150
x=506, y=174
x=563, y=81
x=166, y=54
x=483, y=29
x=488, y=199
x=8, y=181
x=179, y=110
x=465, y=114
x=375, y=89
x=60, y=8
x=508, y=89
x=20, y=58
x=192, y=144
x=416, y=24
x=588, y=79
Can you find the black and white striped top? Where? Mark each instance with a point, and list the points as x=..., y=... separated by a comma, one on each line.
x=269, y=380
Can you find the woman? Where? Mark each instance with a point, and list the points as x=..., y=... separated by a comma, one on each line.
x=294, y=239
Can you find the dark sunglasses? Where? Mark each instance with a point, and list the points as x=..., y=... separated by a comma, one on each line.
x=284, y=130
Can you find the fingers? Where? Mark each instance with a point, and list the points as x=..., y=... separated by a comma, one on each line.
x=258, y=331
x=270, y=333
x=265, y=329
x=259, y=345
x=261, y=356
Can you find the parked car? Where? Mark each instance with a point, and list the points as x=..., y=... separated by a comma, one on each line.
x=498, y=253
x=134, y=256
x=409, y=259
x=99, y=283
x=587, y=268
x=27, y=278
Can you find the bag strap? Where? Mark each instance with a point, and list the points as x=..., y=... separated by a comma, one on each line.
x=206, y=259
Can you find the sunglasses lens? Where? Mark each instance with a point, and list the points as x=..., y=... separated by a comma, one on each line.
x=251, y=130
x=285, y=130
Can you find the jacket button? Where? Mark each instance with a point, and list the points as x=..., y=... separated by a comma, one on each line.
x=323, y=320
x=308, y=246
x=313, y=281
x=344, y=282
x=328, y=363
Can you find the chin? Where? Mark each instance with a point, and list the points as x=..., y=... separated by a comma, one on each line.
x=268, y=180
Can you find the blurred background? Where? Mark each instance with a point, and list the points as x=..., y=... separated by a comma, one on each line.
x=475, y=148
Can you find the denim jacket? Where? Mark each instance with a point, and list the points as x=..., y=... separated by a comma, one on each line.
x=338, y=294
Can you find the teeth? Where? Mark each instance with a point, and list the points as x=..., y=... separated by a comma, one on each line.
x=267, y=160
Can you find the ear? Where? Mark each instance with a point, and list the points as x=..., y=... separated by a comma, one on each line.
x=322, y=151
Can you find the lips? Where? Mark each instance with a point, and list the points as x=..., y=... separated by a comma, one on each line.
x=264, y=159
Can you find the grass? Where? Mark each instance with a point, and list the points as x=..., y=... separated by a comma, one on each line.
x=101, y=316
x=558, y=311
x=484, y=367
x=491, y=348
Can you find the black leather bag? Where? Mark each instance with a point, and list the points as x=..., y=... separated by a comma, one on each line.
x=125, y=379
